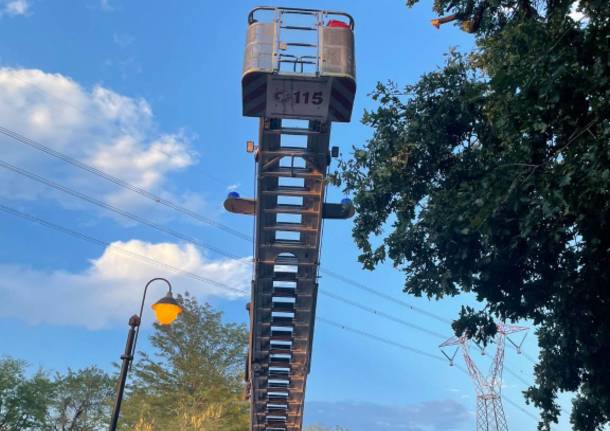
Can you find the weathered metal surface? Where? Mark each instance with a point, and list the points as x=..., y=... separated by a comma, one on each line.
x=285, y=280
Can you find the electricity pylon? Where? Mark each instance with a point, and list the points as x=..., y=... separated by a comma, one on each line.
x=490, y=413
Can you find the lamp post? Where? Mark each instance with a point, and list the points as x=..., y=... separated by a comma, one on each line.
x=166, y=310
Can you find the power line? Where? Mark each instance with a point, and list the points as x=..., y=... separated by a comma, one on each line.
x=187, y=238
x=148, y=260
x=202, y=218
x=171, y=232
x=528, y=357
x=222, y=252
x=102, y=243
x=517, y=406
x=517, y=376
x=158, y=199
x=122, y=183
x=184, y=237
x=381, y=314
x=99, y=242
x=412, y=350
x=94, y=113
x=400, y=321
x=383, y=295
x=380, y=339
x=112, y=208
x=186, y=211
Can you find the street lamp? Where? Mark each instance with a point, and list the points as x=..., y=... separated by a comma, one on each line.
x=166, y=310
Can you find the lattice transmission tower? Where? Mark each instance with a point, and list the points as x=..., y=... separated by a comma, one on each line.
x=489, y=411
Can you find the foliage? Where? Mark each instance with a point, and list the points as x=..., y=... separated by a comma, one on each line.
x=77, y=401
x=23, y=401
x=492, y=175
x=82, y=401
x=193, y=383
x=194, y=380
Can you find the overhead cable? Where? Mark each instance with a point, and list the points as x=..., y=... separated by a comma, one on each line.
x=102, y=243
x=158, y=199
x=412, y=350
x=186, y=211
x=148, y=260
x=122, y=183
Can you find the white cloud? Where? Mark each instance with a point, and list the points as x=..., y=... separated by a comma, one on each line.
x=110, y=289
x=110, y=131
x=14, y=7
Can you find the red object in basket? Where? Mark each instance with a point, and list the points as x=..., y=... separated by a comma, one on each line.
x=337, y=24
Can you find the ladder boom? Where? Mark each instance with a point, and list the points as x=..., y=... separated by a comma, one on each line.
x=299, y=65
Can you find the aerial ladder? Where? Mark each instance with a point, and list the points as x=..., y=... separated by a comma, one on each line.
x=298, y=77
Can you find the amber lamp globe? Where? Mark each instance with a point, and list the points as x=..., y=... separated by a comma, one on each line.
x=166, y=309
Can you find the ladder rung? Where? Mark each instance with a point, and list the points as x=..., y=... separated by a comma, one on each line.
x=276, y=426
x=291, y=131
x=288, y=209
x=292, y=172
x=296, y=191
x=281, y=325
x=298, y=27
x=286, y=353
x=290, y=246
x=279, y=407
x=276, y=411
x=290, y=227
x=283, y=260
x=296, y=62
x=289, y=151
x=301, y=44
x=263, y=403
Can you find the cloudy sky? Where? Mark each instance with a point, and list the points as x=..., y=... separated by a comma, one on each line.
x=149, y=95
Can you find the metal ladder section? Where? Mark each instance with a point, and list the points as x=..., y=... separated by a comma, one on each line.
x=290, y=196
x=289, y=49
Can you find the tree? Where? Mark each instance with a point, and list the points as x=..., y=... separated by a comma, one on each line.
x=194, y=380
x=23, y=401
x=82, y=401
x=491, y=175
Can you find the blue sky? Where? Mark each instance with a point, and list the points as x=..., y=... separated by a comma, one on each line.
x=150, y=92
